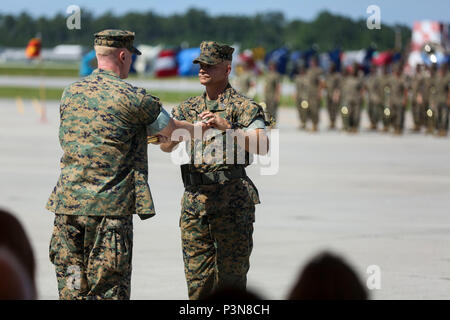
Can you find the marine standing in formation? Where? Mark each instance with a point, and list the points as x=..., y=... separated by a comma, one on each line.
x=301, y=95
x=333, y=94
x=218, y=204
x=437, y=100
x=245, y=81
x=418, y=105
x=351, y=100
x=104, y=122
x=272, y=90
x=315, y=85
x=374, y=101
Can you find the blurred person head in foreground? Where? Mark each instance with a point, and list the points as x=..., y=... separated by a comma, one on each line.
x=328, y=277
x=17, y=266
x=227, y=293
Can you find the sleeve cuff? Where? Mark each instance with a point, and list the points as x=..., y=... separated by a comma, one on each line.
x=258, y=123
x=160, y=123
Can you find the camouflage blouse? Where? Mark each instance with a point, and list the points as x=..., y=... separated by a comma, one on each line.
x=103, y=132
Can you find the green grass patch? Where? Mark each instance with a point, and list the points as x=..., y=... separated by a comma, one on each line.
x=38, y=71
x=286, y=101
x=67, y=71
x=55, y=94
x=164, y=96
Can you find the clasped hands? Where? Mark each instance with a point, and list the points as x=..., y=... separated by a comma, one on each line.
x=208, y=120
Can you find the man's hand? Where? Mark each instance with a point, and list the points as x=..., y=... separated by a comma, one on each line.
x=214, y=120
x=157, y=139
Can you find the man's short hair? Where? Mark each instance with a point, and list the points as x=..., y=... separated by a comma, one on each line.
x=105, y=51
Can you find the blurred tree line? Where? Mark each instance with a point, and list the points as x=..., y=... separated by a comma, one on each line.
x=269, y=30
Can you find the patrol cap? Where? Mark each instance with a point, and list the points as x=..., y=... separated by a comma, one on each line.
x=214, y=53
x=116, y=39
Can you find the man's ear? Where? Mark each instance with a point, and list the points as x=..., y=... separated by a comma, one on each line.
x=228, y=68
x=122, y=56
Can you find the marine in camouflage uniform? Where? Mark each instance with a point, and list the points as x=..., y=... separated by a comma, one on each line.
x=246, y=81
x=103, y=180
x=437, y=97
x=374, y=106
x=218, y=205
x=272, y=90
x=315, y=85
x=301, y=95
x=386, y=94
x=418, y=105
x=332, y=93
x=398, y=91
x=351, y=100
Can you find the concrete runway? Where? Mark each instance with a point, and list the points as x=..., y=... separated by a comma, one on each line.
x=171, y=85
x=374, y=198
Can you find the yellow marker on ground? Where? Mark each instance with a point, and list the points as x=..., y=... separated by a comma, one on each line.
x=19, y=104
x=37, y=106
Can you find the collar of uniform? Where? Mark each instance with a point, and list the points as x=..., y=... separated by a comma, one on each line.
x=222, y=100
x=106, y=73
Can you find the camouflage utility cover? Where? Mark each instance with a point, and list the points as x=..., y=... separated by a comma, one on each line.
x=103, y=133
x=214, y=53
x=116, y=39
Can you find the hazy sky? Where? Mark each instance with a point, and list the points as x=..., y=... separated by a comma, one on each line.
x=392, y=11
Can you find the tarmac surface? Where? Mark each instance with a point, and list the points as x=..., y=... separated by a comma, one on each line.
x=170, y=85
x=374, y=198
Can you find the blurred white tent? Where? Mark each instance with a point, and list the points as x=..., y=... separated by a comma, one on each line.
x=351, y=57
x=12, y=54
x=59, y=53
x=145, y=63
x=66, y=52
x=235, y=58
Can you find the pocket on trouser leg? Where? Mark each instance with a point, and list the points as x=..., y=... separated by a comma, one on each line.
x=234, y=244
x=109, y=263
x=66, y=253
x=198, y=255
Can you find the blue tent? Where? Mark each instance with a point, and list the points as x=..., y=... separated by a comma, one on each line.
x=88, y=63
x=184, y=61
x=133, y=59
x=367, y=62
x=335, y=56
x=308, y=54
x=280, y=57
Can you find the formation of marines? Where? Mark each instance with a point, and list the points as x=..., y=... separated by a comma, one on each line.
x=386, y=93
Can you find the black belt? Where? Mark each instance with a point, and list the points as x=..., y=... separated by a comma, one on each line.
x=197, y=178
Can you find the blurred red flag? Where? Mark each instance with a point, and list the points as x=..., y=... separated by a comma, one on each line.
x=33, y=49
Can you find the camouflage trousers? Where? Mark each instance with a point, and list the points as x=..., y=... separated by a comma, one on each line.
x=272, y=108
x=92, y=256
x=217, y=243
x=311, y=112
x=439, y=118
x=332, y=108
x=352, y=116
x=419, y=114
x=374, y=110
x=302, y=113
x=398, y=117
